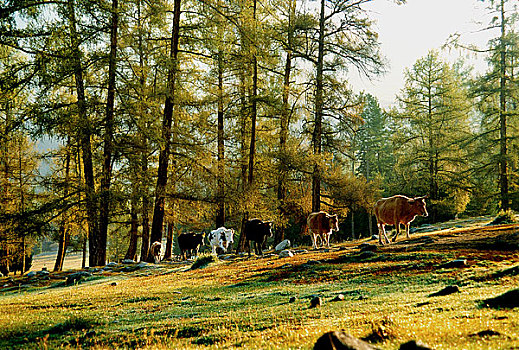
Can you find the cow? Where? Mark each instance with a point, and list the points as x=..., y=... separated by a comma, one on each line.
x=397, y=210
x=190, y=243
x=320, y=225
x=257, y=231
x=155, y=251
x=221, y=238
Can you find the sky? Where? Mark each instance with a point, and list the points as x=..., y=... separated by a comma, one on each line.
x=407, y=32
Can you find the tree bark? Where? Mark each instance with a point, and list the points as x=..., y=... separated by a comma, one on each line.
x=131, y=253
x=220, y=215
x=284, y=125
x=169, y=243
x=85, y=132
x=317, y=133
x=162, y=173
x=106, y=176
x=503, y=151
x=63, y=231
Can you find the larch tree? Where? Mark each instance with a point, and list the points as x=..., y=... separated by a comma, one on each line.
x=434, y=125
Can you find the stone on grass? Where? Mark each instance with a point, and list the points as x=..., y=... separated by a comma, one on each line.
x=316, y=302
x=341, y=341
x=414, y=345
x=286, y=254
x=454, y=264
x=507, y=300
x=446, y=291
x=339, y=297
x=367, y=247
x=77, y=277
x=128, y=261
x=283, y=245
x=292, y=300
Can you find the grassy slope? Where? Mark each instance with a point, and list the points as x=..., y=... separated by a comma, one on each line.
x=245, y=303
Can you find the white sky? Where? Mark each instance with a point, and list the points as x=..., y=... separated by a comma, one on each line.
x=407, y=32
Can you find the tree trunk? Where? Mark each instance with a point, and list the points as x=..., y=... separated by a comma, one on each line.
x=503, y=152
x=108, y=139
x=162, y=173
x=131, y=253
x=254, y=100
x=96, y=253
x=63, y=232
x=317, y=133
x=284, y=125
x=169, y=243
x=220, y=215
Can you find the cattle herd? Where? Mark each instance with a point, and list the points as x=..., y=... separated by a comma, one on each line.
x=391, y=211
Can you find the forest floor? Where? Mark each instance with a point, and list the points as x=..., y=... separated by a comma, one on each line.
x=383, y=294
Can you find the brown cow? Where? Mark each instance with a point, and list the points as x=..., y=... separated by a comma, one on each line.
x=397, y=210
x=321, y=224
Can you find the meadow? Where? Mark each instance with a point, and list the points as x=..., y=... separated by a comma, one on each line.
x=380, y=294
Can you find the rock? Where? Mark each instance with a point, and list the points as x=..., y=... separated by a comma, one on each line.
x=367, y=247
x=316, y=302
x=77, y=277
x=31, y=274
x=374, y=237
x=292, y=300
x=507, y=300
x=414, y=345
x=300, y=251
x=340, y=340
x=43, y=273
x=141, y=265
x=366, y=255
x=312, y=262
x=339, y=297
x=113, y=284
x=454, y=263
x=128, y=261
x=446, y=291
x=283, y=245
x=485, y=333
x=111, y=264
x=286, y=254
x=287, y=266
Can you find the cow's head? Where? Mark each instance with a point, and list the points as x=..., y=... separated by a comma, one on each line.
x=333, y=221
x=419, y=206
x=228, y=237
x=268, y=228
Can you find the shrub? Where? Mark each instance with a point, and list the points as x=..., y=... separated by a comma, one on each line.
x=504, y=217
x=204, y=260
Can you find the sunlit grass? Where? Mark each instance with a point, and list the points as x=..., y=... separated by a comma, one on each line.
x=246, y=303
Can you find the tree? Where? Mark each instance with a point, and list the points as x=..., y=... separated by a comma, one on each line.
x=343, y=38
x=162, y=172
x=496, y=91
x=434, y=124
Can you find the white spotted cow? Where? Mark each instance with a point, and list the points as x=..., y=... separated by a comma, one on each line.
x=222, y=238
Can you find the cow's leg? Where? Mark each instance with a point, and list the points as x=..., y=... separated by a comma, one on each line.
x=328, y=239
x=312, y=235
x=407, y=230
x=382, y=234
x=397, y=229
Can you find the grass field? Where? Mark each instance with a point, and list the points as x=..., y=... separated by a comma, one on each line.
x=264, y=303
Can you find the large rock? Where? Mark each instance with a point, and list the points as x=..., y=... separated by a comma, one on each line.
x=414, y=345
x=341, y=341
x=446, y=291
x=507, y=300
x=77, y=277
x=283, y=245
x=286, y=254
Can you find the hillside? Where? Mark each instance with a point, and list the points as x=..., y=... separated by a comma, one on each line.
x=381, y=294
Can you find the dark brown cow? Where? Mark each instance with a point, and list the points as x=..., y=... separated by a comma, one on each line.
x=321, y=224
x=190, y=243
x=257, y=232
x=397, y=210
